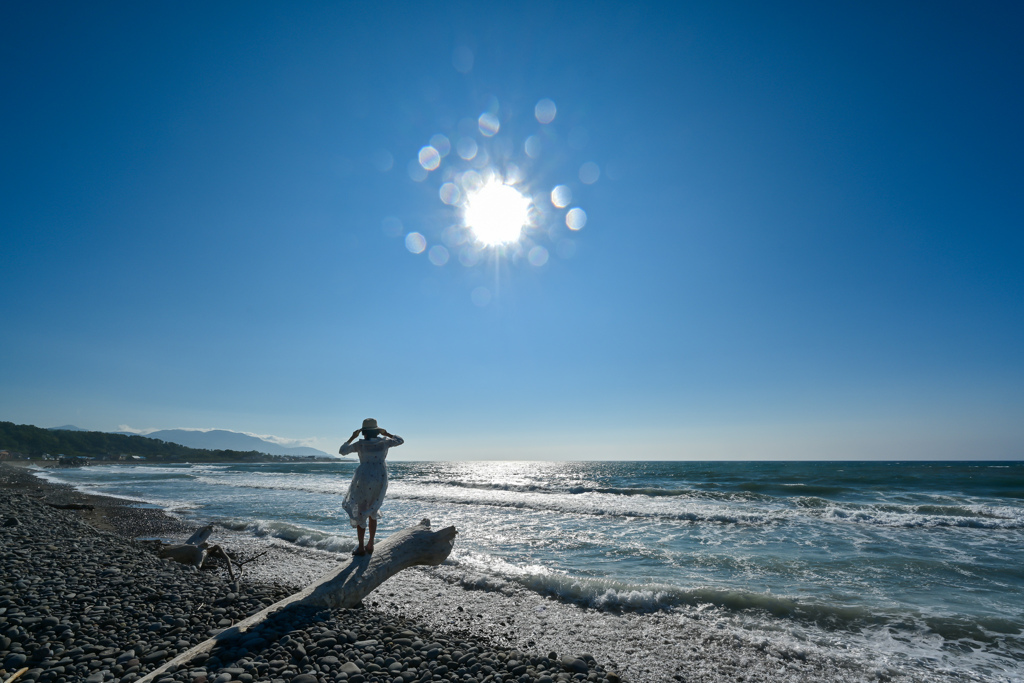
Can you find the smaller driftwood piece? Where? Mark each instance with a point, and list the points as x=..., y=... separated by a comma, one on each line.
x=344, y=587
x=195, y=550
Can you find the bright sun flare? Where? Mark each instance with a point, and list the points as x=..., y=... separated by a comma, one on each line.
x=497, y=213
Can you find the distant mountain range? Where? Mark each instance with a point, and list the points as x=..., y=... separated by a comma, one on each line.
x=218, y=440
x=222, y=439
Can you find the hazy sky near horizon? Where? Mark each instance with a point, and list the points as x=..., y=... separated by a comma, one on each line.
x=804, y=231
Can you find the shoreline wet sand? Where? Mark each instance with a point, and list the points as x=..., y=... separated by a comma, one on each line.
x=81, y=600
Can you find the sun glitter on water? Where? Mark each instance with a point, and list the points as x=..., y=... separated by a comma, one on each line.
x=496, y=213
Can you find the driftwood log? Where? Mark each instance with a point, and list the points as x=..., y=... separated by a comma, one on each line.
x=17, y=674
x=195, y=550
x=183, y=553
x=344, y=587
x=68, y=506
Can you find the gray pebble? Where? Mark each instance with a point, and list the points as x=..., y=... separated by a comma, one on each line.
x=574, y=664
x=15, y=661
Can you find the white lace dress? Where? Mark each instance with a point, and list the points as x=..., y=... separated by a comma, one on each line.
x=370, y=482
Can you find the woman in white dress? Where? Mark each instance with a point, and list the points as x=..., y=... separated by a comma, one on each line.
x=370, y=482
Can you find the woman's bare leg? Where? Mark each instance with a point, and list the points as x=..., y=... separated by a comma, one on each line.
x=359, y=532
x=373, y=532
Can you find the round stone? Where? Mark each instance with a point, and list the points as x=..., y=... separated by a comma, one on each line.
x=15, y=660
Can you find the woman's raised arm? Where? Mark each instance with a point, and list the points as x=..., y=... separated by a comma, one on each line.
x=342, y=451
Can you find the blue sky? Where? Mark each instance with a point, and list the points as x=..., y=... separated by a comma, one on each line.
x=804, y=239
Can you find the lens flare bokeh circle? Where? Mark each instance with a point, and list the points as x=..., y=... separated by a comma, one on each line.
x=508, y=190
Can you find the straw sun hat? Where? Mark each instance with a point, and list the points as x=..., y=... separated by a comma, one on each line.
x=370, y=424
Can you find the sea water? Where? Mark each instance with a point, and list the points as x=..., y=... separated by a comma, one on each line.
x=926, y=558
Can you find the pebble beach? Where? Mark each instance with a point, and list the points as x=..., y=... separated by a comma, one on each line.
x=79, y=603
x=82, y=598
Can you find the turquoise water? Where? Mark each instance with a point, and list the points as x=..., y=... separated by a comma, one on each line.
x=927, y=555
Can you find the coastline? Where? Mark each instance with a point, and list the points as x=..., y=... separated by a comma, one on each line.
x=438, y=603
x=116, y=515
x=81, y=600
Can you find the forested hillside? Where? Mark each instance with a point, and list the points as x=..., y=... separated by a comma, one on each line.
x=35, y=441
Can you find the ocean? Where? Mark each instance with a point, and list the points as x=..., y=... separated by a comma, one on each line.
x=916, y=566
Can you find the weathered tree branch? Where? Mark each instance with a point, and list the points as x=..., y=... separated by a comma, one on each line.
x=217, y=551
x=242, y=560
x=17, y=674
x=344, y=587
x=195, y=550
x=184, y=553
x=200, y=536
x=69, y=506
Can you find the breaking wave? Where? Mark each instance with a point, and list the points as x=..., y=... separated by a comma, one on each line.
x=292, y=533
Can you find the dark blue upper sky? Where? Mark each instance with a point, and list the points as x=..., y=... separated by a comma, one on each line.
x=804, y=240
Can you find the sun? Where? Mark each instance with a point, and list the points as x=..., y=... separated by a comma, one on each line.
x=496, y=213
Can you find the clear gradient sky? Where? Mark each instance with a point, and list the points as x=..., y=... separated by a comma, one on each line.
x=804, y=235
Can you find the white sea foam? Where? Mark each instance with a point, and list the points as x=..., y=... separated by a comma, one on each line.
x=654, y=646
x=292, y=533
x=172, y=506
x=978, y=517
x=687, y=506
